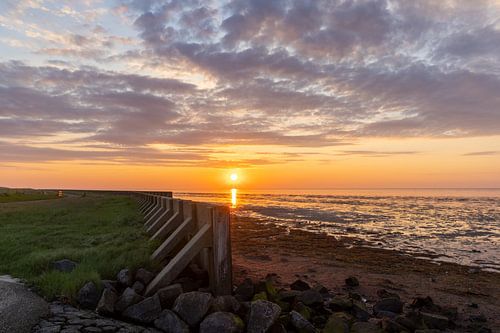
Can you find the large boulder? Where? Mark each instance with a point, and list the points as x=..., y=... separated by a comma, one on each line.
x=222, y=322
x=262, y=316
x=145, y=312
x=138, y=287
x=88, y=296
x=301, y=324
x=169, y=322
x=169, y=294
x=338, y=323
x=144, y=276
x=391, y=304
x=192, y=306
x=106, y=305
x=64, y=265
x=128, y=298
x=124, y=277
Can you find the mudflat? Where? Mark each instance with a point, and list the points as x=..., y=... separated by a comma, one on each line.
x=261, y=248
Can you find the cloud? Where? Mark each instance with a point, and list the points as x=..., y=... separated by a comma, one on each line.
x=278, y=72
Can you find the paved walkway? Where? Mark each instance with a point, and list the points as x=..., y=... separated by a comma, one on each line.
x=20, y=309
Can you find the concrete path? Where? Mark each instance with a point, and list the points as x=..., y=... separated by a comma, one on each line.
x=20, y=309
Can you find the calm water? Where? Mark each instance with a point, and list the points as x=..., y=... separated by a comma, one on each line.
x=461, y=226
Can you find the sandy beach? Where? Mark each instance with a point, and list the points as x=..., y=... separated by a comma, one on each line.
x=261, y=248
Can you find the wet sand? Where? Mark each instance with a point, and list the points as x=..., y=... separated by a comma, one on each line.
x=261, y=248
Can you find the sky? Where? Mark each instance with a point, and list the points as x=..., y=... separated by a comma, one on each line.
x=288, y=94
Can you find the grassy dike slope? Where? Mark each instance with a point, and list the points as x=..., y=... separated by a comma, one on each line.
x=102, y=233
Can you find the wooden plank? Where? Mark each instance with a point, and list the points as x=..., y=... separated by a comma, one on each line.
x=222, y=261
x=153, y=227
x=150, y=206
x=162, y=208
x=200, y=240
x=146, y=204
x=172, y=224
x=154, y=208
x=179, y=234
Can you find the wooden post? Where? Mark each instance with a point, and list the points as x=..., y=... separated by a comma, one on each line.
x=222, y=274
x=162, y=207
x=153, y=227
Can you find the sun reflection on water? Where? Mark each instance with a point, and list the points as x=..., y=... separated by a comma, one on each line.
x=234, y=197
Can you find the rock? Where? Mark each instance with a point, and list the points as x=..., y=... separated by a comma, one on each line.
x=169, y=294
x=138, y=287
x=91, y=330
x=310, y=297
x=304, y=310
x=300, y=285
x=169, y=322
x=144, y=276
x=189, y=284
x=382, y=293
x=411, y=321
x=106, y=305
x=352, y=281
x=480, y=318
x=365, y=327
x=390, y=326
x=386, y=314
x=245, y=291
x=145, y=312
x=192, y=306
x=222, y=322
x=225, y=303
x=64, y=265
x=110, y=284
x=128, y=298
x=432, y=320
x=300, y=323
x=88, y=296
x=359, y=311
x=340, y=303
x=288, y=295
x=124, y=277
x=391, y=304
x=262, y=316
x=337, y=323
x=262, y=296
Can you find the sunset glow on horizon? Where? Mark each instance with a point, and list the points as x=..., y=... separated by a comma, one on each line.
x=215, y=95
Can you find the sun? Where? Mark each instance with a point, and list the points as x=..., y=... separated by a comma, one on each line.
x=234, y=177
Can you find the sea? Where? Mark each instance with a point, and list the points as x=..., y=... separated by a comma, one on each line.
x=444, y=225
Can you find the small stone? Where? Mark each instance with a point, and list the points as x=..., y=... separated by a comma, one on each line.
x=359, y=310
x=300, y=323
x=365, y=327
x=262, y=316
x=391, y=304
x=88, y=296
x=124, y=277
x=192, y=306
x=288, y=295
x=64, y=265
x=225, y=303
x=110, y=284
x=245, y=291
x=128, y=298
x=145, y=312
x=169, y=294
x=138, y=287
x=352, y=281
x=168, y=321
x=91, y=330
x=432, y=320
x=310, y=297
x=389, y=325
x=144, y=276
x=106, y=305
x=300, y=285
x=222, y=322
x=386, y=314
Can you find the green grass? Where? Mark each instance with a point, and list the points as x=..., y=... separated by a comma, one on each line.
x=12, y=196
x=103, y=233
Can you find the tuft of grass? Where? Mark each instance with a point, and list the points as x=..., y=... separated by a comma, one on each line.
x=102, y=233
